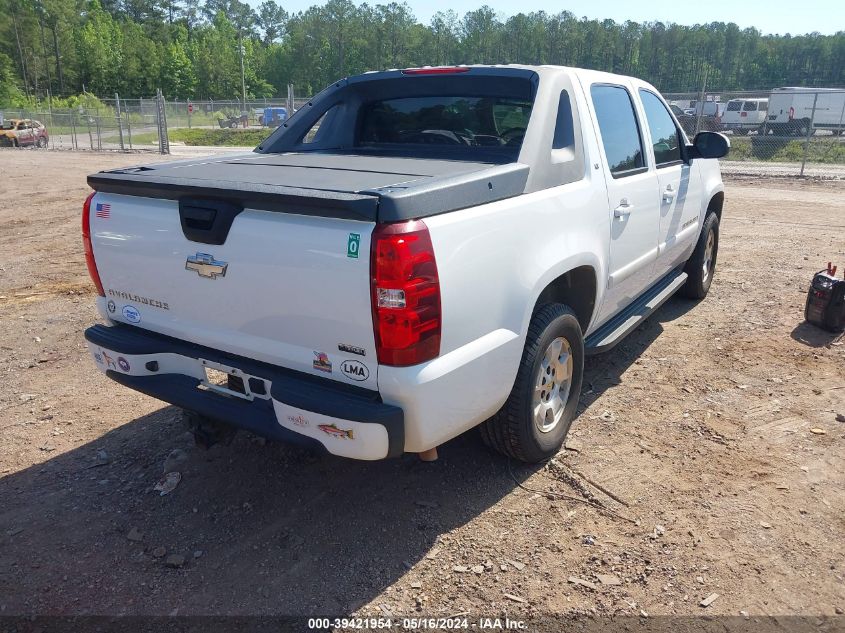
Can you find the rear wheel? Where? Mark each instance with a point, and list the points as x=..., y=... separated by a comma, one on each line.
x=802, y=128
x=701, y=265
x=534, y=421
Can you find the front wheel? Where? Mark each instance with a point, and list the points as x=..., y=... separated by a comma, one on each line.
x=701, y=265
x=534, y=421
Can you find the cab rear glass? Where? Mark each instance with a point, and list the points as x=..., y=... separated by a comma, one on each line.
x=464, y=114
x=463, y=121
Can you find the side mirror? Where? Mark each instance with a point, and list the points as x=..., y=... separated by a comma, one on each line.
x=710, y=145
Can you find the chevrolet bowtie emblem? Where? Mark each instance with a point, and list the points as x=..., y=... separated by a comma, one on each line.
x=206, y=266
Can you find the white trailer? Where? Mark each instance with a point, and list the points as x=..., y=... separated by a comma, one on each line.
x=795, y=110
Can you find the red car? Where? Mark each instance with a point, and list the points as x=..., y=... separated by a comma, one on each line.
x=23, y=132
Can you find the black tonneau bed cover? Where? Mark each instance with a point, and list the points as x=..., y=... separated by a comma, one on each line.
x=358, y=187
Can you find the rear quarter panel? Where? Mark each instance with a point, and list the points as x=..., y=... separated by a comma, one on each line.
x=493, y=262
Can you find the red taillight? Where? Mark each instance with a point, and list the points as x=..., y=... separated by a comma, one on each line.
x=405, y=294
x=435, y=70
x=86, y=241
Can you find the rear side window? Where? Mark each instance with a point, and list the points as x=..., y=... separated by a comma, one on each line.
x=620, y=133
x=734, y=106
x=749, y=106
x=564, y=128
x=664, y=135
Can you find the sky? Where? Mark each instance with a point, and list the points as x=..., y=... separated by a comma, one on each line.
x=771, y=16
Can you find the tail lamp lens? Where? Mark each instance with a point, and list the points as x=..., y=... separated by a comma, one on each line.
x=89, y=249
x=405, y=294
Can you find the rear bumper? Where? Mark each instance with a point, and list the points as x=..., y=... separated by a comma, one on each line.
x=279, y=404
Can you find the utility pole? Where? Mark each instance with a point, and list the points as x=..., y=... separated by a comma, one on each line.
x=119, y=120
x=810, y=131
x=700, y=107
x=243, y=78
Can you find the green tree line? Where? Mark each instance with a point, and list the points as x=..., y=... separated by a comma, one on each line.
x=194, y=48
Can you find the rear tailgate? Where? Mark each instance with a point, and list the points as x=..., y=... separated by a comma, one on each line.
x=286, y=282
x=287, y=289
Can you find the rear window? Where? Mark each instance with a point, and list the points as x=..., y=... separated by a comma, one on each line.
x=749, y=106
x=734, y=106
x=448, y=120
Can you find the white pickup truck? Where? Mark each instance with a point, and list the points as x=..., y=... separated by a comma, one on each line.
x=414, y=253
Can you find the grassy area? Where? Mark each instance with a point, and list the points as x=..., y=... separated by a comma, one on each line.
x=828, y=150
x=219, y=137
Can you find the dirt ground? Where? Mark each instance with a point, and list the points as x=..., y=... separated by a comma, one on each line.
x=708, y=444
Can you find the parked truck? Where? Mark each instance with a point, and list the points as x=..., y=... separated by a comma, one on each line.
x=414, y=253
x=802, y=111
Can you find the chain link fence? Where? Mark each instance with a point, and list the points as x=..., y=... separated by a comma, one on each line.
x=66, y=129
x=150, y=125
x=785, y=131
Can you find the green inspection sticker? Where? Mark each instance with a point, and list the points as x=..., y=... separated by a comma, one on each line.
x=352, y=245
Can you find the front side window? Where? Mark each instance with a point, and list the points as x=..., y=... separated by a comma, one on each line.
x=664, y=135
x=620, y=133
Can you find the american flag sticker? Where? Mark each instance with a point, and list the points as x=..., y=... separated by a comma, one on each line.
x=103, y=210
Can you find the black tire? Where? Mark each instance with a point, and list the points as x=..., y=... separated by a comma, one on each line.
x=801, y=128
x=512, y=430
x=698, y=283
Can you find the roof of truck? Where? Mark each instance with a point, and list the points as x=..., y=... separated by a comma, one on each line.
x=539, y=69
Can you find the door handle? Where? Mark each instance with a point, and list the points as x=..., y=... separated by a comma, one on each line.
x=669, y=194
x=624, y=209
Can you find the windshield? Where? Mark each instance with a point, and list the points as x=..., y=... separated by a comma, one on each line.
x=444, y=120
